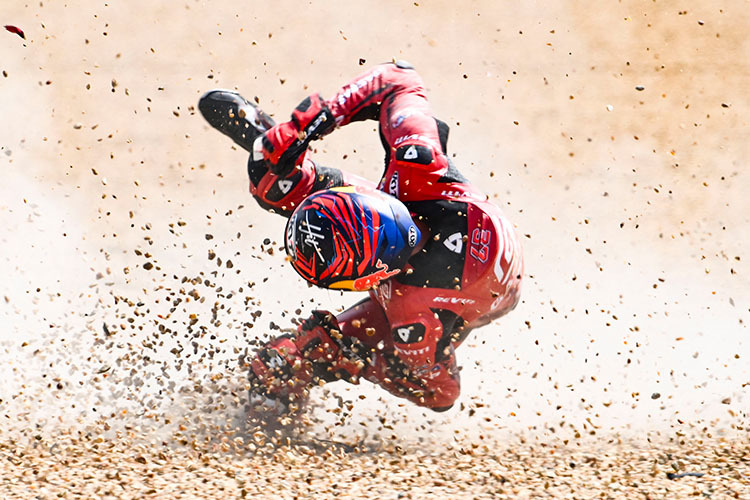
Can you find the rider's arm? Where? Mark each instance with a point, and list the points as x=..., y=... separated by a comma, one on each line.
x=281, y=173
x=415, y=142
x=284, y=145
x=362, y=97
x=422, y=365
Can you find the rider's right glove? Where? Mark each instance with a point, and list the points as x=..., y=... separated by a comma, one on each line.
x=285, y=143
x=336, y=356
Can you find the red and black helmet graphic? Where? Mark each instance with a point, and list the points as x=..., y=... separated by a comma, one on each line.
x=350, y=237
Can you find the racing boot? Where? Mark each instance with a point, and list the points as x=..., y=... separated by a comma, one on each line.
x=234, y=116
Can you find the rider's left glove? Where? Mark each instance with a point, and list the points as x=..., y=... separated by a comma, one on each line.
x=284, y=144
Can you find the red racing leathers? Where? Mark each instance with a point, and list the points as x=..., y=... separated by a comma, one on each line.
x=467, y=274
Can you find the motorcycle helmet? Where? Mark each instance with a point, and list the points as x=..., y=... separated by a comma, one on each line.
x=350, y=238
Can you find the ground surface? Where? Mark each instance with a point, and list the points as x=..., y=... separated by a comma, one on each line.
x=137, y=271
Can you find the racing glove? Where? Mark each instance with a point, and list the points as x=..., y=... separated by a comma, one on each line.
x=333, y=355
x=284, y=144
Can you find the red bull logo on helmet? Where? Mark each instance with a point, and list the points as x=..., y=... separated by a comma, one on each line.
x=364, y=283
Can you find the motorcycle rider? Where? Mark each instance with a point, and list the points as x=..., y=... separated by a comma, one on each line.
x=436, y=257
